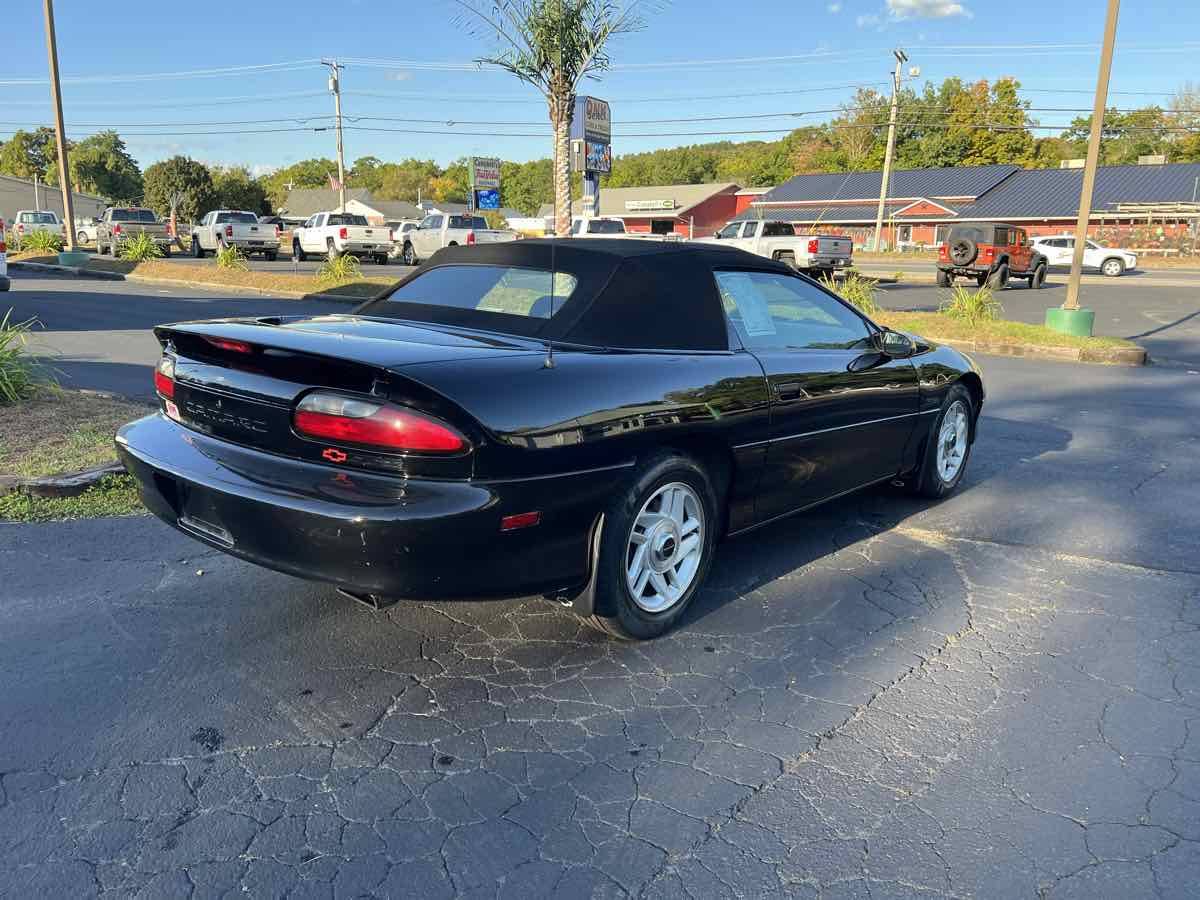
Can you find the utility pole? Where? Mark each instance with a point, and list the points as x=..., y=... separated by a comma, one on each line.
x=901, y=59
x=64, y=178
x=1070, y=318
x=335, y=88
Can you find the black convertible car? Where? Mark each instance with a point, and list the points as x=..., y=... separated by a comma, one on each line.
x=583, y=419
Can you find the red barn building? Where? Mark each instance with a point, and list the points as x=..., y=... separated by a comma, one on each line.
x=689, y=210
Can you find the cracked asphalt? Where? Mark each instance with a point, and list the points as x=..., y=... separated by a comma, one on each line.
x=994, y=696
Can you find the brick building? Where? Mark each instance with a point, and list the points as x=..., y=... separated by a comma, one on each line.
x=1148, y=206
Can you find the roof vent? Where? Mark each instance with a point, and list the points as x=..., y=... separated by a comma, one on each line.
x=1072, y=163
x=1155, y=159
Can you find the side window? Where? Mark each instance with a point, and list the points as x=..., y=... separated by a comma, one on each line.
x=1020, y=238
x=778, y=312
x=731, y=230
x=749, y=229
x=435, y=221
x=1001, y=237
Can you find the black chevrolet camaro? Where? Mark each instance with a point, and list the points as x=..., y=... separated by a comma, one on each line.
x=583, y=419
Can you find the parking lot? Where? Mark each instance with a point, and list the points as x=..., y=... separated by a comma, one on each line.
x=995, y=696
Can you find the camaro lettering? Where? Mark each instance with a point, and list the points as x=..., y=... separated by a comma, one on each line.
x=220, y=417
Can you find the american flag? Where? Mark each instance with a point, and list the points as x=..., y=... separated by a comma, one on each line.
x=334, y=184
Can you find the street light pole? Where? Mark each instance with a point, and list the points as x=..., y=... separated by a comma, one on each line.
x=1072, y=316
x=335, y=87
x=901, y=58
x=64, y=170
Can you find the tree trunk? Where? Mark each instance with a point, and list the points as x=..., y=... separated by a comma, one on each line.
x=560, y=117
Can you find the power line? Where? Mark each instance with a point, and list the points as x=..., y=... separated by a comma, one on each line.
x=262, y=69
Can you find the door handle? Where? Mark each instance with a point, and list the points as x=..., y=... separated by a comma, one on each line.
x=789, y=390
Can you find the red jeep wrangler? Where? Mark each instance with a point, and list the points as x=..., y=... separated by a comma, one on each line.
x=991, y=253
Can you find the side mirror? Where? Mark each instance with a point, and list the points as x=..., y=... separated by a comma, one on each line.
x=896, y=345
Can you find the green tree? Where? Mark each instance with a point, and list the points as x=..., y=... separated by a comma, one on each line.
x=29, y=153
x=1124, y=136
x=526, y=186
x=186, y=177
x=366, y=173
x=409, y=180
x=552, y=45
x=308, y=173
x=234, y=188
x=100, y=164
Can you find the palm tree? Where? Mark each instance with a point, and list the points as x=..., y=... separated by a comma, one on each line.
x=552, y=45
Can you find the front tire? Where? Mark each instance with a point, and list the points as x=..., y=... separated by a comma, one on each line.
x=1112, y=268
x=1038, y=278
x=409, y=255
x=998, y=280
x=948, y=447
x=658, y=542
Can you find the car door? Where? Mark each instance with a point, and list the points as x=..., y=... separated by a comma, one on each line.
x=428, y=238
x=1020, y=252
x=841, y=412
x=311, y=241
x=1093, y=255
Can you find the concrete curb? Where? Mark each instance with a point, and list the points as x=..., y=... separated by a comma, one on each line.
x=71, y=485
x=1106, y=356
x=77, y=271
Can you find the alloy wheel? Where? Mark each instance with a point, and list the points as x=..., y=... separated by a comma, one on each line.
x=665, y=547
x=952, y=442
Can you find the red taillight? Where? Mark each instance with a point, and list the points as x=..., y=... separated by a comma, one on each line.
x=347, y=420
x=988, y=252
x=813, y=245
x=343, y=233
x=228, y=231
x=470, y=238
x=276, y=232
x=942, y=254
x=520, y=520
x=164, y=377
x=230, y=345
x=116, y=229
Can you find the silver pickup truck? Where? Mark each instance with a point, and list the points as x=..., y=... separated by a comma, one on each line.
x=223, y=228
x=815, y=254
x=437, y=231
x=120, y=223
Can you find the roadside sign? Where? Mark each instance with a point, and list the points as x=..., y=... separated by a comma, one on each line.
x=484, y=173
x=592, y=120
x=489, y=199
x=598, y=157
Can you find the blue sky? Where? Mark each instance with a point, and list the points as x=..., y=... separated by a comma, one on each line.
x=406, y=62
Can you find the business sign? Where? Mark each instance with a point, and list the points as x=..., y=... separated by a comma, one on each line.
x=592, y=120
x=648, y=205
x=598, y=157
x=484, y=173
x=489, y=199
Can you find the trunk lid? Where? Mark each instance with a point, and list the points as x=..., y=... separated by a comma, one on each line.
x=240, y=380
x=835, y=246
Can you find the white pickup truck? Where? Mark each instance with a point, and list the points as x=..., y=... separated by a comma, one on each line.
x=610, y=227
x=337, y=234
x=223, y=228
x=438, y=231
x=815, y=254
x=27, y=221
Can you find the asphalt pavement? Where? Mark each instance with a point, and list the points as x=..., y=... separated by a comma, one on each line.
x=283, y=263
x=992, y=696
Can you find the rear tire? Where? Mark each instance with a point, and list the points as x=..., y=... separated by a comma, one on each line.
x=944, y=279
x=271, y=256
x=941, y=472
x=298, y=254
x=381, y=259
x=788, y=259
x=1112, y=268
x=668, y=514
x=80, y=238
x=197, y=250
x=331, y=251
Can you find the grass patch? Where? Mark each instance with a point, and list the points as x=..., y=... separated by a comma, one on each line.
x=936, y=326
x=115, y=495
x=58, y=431
x=856, y=290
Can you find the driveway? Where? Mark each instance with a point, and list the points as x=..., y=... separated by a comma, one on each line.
x=994, y=696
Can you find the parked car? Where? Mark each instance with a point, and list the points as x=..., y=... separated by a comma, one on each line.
x=438, y=231
x=224, y=228
x=991, y=253
x=4, y=284
x=85, y=230
x=400, y=229
x=336, y=234
x=819, y=255
x=119, y=223
x=1059, y=250
x=463, y=437
x=27, y=221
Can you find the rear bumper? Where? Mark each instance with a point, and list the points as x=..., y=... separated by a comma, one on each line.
x=828, y=262
x=269, y=245
x=397, y=537
x=355, y=247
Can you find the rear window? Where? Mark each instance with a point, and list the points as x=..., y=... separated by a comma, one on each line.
x=779, y=229
x=39, y=218
x=238, y=218
x=980, y=234
x=346, y=219
x=133, y=215
x=507, y=290
x=477, y=222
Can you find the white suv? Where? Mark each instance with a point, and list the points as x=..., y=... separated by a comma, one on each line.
x=1059, y=249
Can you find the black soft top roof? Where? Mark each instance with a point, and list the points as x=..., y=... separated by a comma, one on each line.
x=630, y=294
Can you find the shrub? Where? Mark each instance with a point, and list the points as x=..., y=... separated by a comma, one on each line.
x=339, y=269
x=856, y=290
x=972, y=306
x=139, y=248
x=231, y=258
x=898, y=275
x=18, y=373
x=42, y=242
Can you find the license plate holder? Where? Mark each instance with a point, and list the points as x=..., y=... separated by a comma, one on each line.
x=198, y=515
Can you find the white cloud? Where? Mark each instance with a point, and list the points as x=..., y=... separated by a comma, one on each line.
x=398, y=75
x=868, y=21
x=834, y=8
x=925, y=9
